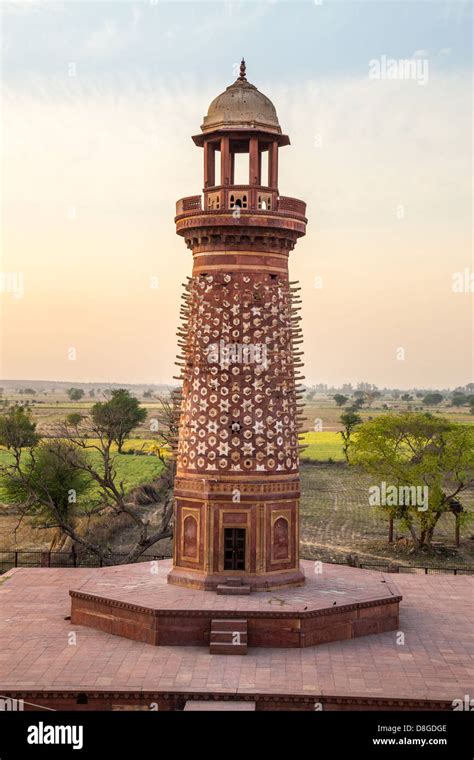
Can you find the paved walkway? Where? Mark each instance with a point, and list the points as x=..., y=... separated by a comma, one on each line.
x=435, y=662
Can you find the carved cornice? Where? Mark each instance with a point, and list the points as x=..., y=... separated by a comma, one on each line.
x=368, y=702
x=248, y=233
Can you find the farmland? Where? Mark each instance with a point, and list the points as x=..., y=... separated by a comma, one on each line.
x=335, y=516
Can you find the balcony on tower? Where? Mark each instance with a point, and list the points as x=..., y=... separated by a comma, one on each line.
x=241, y=138
x=241, y=206
x=243, y=197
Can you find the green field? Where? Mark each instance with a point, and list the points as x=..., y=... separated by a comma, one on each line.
x=134, y=470
x=322, y=447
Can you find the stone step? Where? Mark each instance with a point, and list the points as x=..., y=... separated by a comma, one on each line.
x=233, y=590
x=219, y=624
x=217, y=648
x=227, y=637
x=223, y=636
x=233, y=582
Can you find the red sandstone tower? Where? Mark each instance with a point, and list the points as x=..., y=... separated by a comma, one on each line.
x=237, y=486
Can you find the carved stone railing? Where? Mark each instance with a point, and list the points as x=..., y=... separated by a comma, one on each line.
x=247, y=197
x=292, y=205
x=191, y=203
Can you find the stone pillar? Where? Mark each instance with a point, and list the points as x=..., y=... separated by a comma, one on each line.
x=273, y=164
x=209, y=164
x=225, y=161
x=254, y=168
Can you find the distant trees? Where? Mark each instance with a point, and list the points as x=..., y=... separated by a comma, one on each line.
x=432, y=399
x=406, y=397
x=462, y=399
x=340, y=399
x=371, y=396
x=75, y=394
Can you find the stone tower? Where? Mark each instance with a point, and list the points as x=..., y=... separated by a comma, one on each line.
x=237, y=485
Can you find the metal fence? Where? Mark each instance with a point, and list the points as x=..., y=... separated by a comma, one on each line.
x=421, y=569
x=11, y=559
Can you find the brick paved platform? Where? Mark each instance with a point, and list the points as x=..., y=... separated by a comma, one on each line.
x=47, y=660
x=136, y=601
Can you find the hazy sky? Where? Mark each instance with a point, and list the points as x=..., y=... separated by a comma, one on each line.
x=99, y=102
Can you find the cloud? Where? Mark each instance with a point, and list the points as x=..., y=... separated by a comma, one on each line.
x=106, y=40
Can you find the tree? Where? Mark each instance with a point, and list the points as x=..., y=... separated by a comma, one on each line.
x=459, y=399
x=75, y=394
x=92, y=393
x=147, y=394
x=406, y=397
x=371, y=396
x=414, y=451
x=17, y=429
x=340, y=399
x=431, y=399
x=115, y=419
x=42, y=472
x=74, y=419
x=49, y=484
x=350, y=420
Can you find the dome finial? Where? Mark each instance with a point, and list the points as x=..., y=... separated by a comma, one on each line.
x=242, y=76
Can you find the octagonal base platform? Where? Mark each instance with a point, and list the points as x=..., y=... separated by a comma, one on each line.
x=136, y=601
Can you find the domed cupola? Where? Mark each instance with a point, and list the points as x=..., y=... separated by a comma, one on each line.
x=241, y=106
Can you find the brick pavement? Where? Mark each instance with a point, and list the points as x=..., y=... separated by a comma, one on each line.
x=435, y=662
